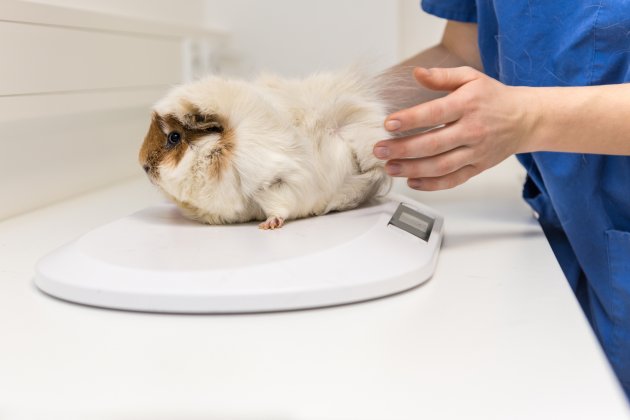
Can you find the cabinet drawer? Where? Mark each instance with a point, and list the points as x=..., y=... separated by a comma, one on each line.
x=58, y=145
x=40, y=59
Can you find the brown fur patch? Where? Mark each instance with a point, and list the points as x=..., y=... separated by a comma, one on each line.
x=155, y=150
x=222, y=155
x=152, y=151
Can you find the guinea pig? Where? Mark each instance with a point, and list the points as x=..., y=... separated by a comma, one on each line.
x=274, y=149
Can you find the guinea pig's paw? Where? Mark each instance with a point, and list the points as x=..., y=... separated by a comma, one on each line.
x=272, y=222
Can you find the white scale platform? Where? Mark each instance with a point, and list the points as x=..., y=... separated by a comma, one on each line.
x=158, y=261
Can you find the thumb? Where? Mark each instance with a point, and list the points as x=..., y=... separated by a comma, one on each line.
x=445, y=79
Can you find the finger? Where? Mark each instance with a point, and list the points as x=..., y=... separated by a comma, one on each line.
x=431, y=143
x=444, y=182
x=431, y=167
x=445, y=79
x=429, y=114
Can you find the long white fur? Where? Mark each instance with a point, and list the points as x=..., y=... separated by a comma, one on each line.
x=301, y=147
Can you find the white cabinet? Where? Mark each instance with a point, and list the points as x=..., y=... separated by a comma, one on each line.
x=75, y=95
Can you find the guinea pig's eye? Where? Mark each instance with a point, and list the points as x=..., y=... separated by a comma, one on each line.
x=173, y=139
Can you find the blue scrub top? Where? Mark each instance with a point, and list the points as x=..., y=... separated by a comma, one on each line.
x=583, y=200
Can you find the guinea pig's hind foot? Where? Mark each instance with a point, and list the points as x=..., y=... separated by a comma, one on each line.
x=272, y=222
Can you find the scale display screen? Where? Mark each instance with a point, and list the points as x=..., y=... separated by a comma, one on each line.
x=412, y=221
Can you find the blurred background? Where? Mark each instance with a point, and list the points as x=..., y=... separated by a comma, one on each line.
x=78, y=77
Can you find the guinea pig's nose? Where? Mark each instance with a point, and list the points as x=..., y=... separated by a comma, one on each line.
x=146, y=168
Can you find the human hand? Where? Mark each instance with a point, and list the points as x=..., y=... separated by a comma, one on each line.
x=484, y=122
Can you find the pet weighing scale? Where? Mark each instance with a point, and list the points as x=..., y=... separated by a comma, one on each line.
x=156, y=260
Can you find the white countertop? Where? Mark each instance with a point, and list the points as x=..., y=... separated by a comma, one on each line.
x=496, y=334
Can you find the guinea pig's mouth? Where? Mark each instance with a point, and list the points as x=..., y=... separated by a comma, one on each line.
x=153, y=179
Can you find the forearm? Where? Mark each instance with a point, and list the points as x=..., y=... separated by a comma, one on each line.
x=591, y=119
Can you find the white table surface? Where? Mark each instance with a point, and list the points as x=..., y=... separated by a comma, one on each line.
x=496, y=334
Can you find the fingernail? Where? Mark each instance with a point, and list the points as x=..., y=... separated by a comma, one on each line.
x=392, y=125
x=381, y=152
x=424, y=71
x=415, y=184
x=393, y=168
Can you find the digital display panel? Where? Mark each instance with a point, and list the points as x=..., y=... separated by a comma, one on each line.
x=412, y=221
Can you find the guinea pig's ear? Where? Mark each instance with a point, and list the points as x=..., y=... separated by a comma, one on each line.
x=197, y=120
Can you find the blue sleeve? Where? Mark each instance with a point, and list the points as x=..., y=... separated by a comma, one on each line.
x=459, y=10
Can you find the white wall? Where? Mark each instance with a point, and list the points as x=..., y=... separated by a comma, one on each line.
x=417, y=29
x=298, y=37
x=294, y=37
